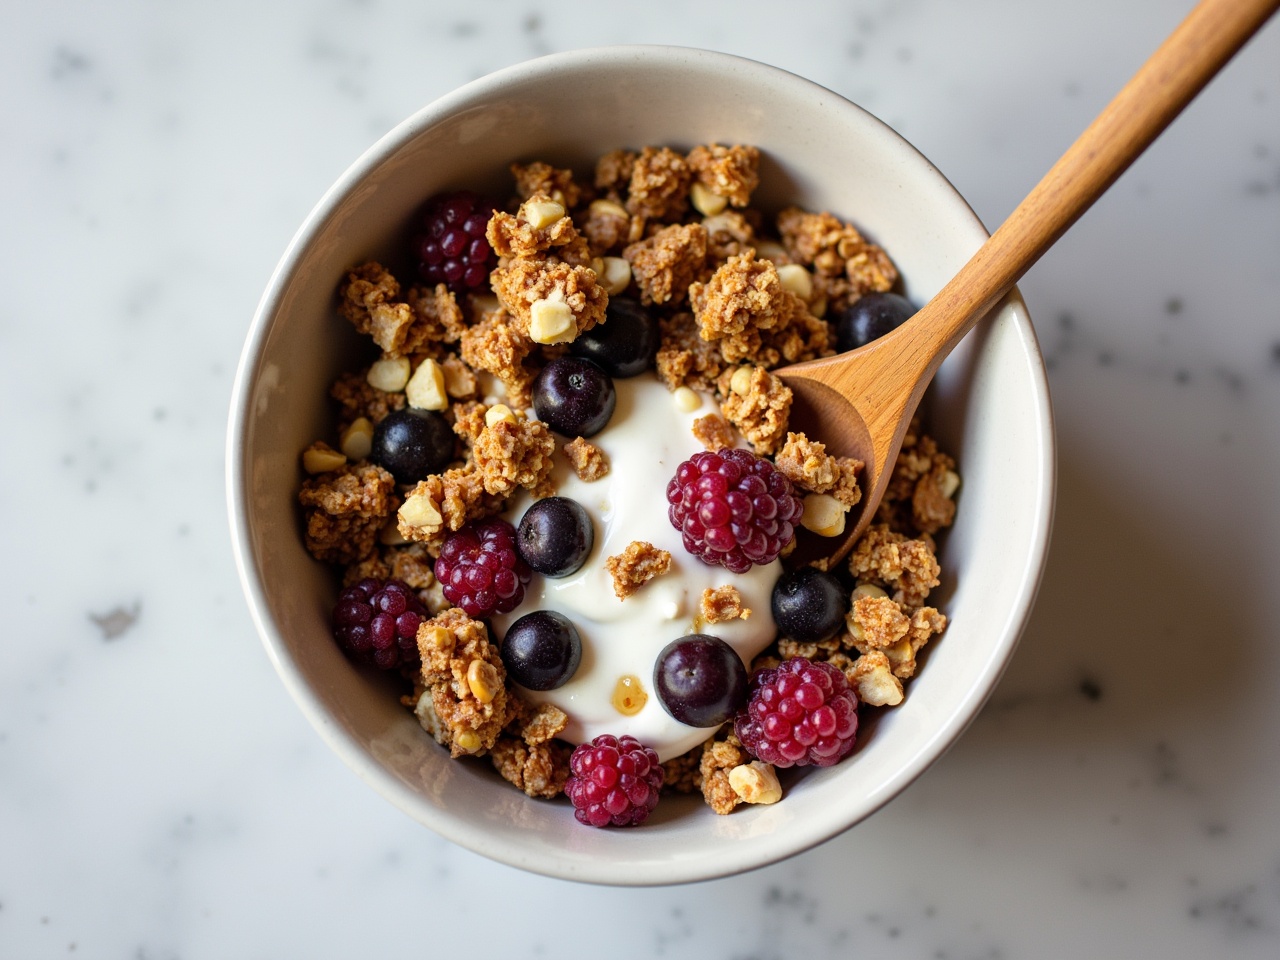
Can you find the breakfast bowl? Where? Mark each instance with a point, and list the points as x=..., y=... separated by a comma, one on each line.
x=988, y=406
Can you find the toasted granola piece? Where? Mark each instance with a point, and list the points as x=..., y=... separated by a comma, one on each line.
x=729, y=172
x=758, y=404
x=344, y=510
x=358, y=398
x=718, y=758
x=721, y=604
x=374, y=565
x=907, y=568
x=613, y=171
x=810, y=650
x=496, y=345
x=468, y=419
x=684, y=358
x=554, y=183
x=466, y=678
x=713, y=433
x=871, y=675
x=459, y=379
x=437, y=320
x=925, y=622
x=743, y=294
x=683, y=774
x=606, y=225
x=514, y=453
x=876, y=623
x=639, y=563
x=369, y=299
x=535, y=725
x=521, y=283
x=532, y=230
x=807, y=464
x=410, y=564
x=666, y=263
x=756, y=782
x=921, y=488
x=800, y=336
x=845, y=265
x=540, y=770
x=589, y=462
x=729, y=234
x=659, y=185
x=446, y=502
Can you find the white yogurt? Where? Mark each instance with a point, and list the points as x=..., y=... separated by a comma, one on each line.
x=647, y=438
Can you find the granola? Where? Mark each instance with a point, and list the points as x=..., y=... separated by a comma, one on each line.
x=638, y=563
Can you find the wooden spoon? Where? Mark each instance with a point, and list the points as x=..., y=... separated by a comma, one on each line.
x=861, y=402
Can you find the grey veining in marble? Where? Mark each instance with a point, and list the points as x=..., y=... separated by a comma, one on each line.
x=161, y=797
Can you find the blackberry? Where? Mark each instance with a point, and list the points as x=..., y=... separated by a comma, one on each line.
x=800, y=713
x=613, y=781
x=452, y=249
x=733, y=509
x=480, y=571
x=376, y=622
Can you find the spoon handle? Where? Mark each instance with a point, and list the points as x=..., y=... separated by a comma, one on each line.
x=1167, y=82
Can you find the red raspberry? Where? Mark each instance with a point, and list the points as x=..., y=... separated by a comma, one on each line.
x=452, y=248
x=800, y=713
x=376, y=622
x=733, y=508
x=614, y=780
x=480, y=571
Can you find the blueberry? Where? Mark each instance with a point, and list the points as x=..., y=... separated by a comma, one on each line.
x=809, y=605
x=625, y=344
x=872, y=315
x=574, y=397
x=412, y=444
x=555, y=536
x=541, y=650
x=700, y=680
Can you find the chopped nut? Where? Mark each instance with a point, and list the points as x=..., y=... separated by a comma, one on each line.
x=755, y=782
x=740, y=382
x=389, y=374
x=357, y=440
x=419, y=516
x=873, y=678
x=861, y=590
x=425, y=389
x=483, y=680
x=796, y=279
x=686, y=400
x=639, y=563
x=321, y=458
x=615, y=275
x=541, y=213
x=551, y=321
x=499, y=413
x=949, y=483
x=823, y=515
x=706, y=202
x=608, y=208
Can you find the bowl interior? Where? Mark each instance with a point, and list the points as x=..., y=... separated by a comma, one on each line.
x=989, y=406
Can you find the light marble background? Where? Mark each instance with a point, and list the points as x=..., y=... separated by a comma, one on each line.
x=160, y=795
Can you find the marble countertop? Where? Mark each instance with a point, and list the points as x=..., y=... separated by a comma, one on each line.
x=160, y=795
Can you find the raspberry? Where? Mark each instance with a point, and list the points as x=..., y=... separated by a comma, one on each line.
x=800, y=713
x=614, y=780
x=733, y=508
x=376, y=622
x=480, y=571
x=452, y=248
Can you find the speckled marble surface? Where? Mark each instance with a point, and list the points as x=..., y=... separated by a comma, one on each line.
x=160, y=795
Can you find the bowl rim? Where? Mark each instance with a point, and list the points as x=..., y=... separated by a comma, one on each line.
x=737, y=858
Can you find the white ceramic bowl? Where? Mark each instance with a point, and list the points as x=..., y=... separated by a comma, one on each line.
x=990, y=406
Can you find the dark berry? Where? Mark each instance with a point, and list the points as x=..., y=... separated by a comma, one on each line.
x=613, y=781
x=700, y=680
x=574, y=397
x=870, y=316
x=625, y=344
x=376, y=622
x=733, y=508
x=555, y=536
x=800, y=713
x=809, y=605
x=412, y=444
x=541, y=650
x=452, y=249
x=480, y=570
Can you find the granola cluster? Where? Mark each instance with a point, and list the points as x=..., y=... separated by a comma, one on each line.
x=735, y=294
